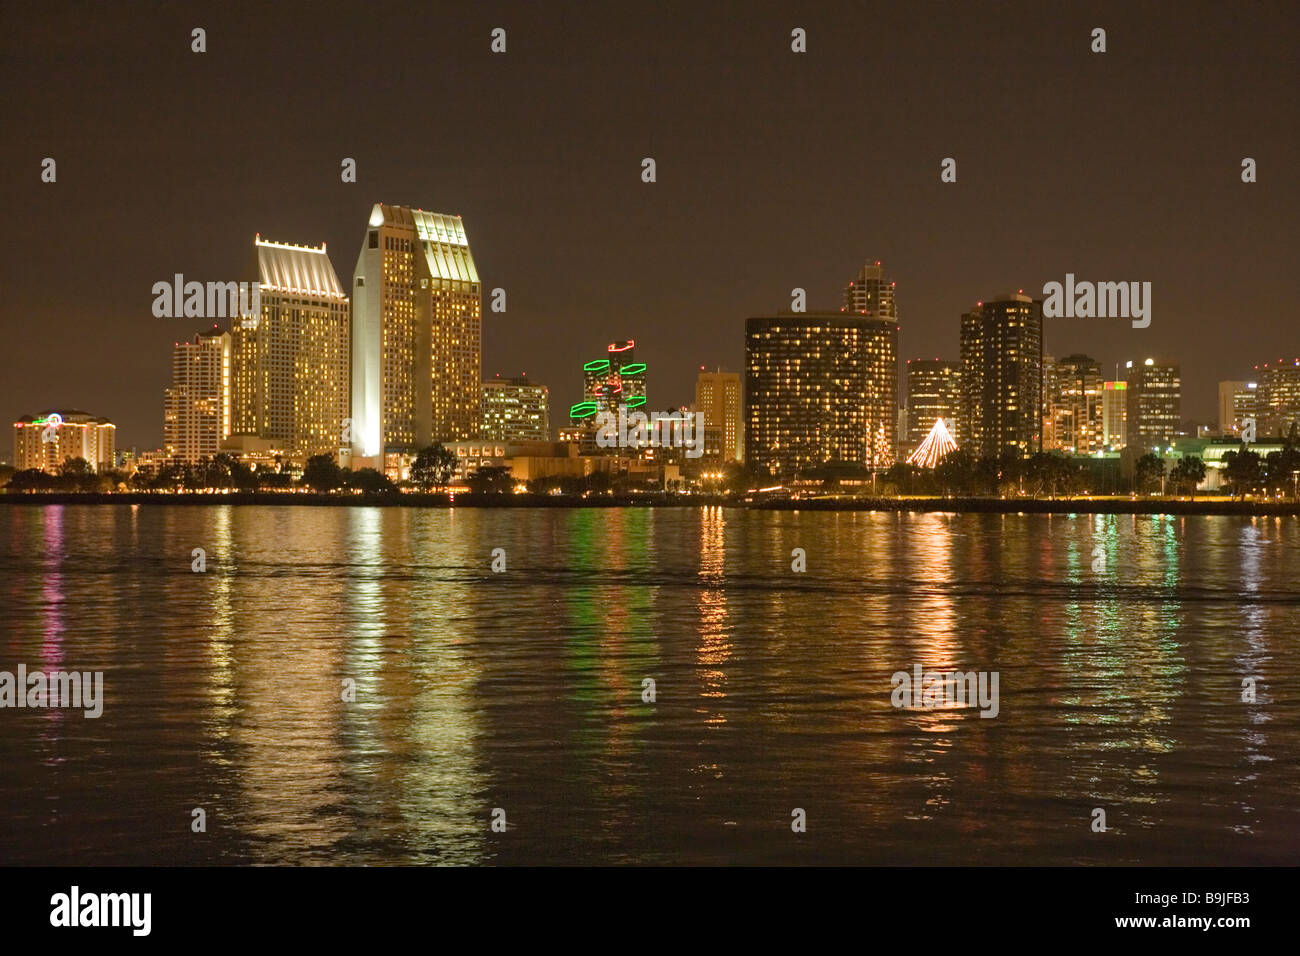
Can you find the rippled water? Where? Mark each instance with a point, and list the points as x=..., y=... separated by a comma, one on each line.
x=1120, y=688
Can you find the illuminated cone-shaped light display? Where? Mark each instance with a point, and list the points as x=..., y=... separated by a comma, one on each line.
x=937, y=444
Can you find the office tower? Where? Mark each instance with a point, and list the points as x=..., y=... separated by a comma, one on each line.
x=933, y=392
x=595, y=393
x=290, y=364
x=515, y=409
x=870, y=294
x=820, y=387
x=718, y=396
x=1002, y=376
x=1278, y=397
x=626, y=379
x=1114, y=414
x=197, y=412
x=1073, y=416
x=416, y=324
x=614, y=381
x=1154, y=404
x=1049, y=391
x=47, y=440
x=1237, y=402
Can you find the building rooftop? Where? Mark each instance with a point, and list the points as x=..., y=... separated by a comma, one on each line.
x=442, y=237
x=304, y=269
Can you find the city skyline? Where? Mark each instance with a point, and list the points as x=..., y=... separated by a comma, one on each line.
x=733, y=160
x=315, y=262
x=760, y=434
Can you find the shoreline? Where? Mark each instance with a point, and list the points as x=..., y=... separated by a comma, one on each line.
x=1152, y=506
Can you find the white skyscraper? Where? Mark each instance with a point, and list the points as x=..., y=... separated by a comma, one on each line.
x=416, y=335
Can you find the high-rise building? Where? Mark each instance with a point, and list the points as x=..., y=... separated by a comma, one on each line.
x=47, y=440
x=515, y=409
x=197, y=409
x=933, y=392
x=1278, y=401
x=871, y=294
x=820, y=387
x=718, y=396
x=416, y=336
x=290, y=364
x=1154, y=404
x=608, y=383
x=1049, y=392
x=1114, y=414
x=1002, y=376
x=1073, y=405
x=1237, y=402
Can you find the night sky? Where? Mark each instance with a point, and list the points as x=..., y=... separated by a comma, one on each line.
x=775, y=170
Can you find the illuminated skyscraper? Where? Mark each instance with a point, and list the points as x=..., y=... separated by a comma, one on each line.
x=47, y=440
x=197, y=409
x=1073, y=405
x=1002, y=376
x=1237, y=402
x=820, y=387
x=872, y=295
x=1154, y=404
x=515, y=409
x=933, y=392
x=616, y=380
x=1278, y=397
x=1114, y=414
x=291, y=369
x=718, y=396
x=416, y=327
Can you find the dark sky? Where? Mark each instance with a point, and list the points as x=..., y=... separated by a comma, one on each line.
x=775, y=170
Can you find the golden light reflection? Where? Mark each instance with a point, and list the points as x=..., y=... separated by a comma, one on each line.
x=714, y=648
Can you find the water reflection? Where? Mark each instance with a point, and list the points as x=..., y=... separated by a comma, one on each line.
x=1121, y=643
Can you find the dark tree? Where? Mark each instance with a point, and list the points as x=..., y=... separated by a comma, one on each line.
x=31, y=479
x=1150, y=468
x=494, y=480
x=1243, y=471
x=371, y=482
x=955, y=472
x=1188, y=473
x=322, y=473
x=433, y=467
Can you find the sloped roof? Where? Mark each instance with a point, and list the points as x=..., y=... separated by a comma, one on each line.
x=304, y=269
x=442, y=238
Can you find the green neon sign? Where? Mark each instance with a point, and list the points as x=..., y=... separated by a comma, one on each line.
x=635, y=368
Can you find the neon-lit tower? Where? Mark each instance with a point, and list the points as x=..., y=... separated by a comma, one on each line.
x=611, y=382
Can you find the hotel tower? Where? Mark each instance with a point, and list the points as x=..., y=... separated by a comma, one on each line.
x=290, y=367
x=416, y=334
